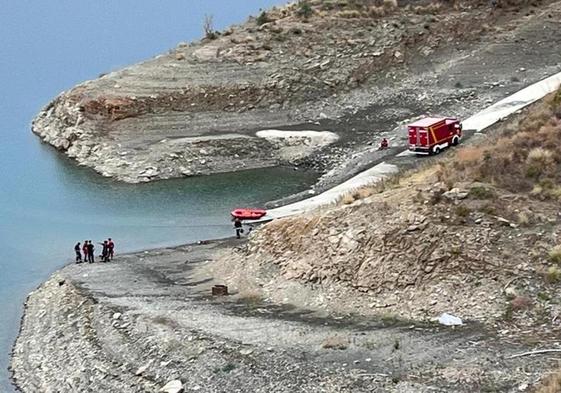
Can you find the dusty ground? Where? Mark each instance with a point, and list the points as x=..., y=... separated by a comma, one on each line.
x=359, y=76
x=146, y=319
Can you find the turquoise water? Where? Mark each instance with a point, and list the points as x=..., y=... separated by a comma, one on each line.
x=46, y=202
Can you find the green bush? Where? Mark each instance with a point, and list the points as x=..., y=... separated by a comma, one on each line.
x=553, y=275
x=462, y=211
x=555, y=254
x=304, y=9
x=480, y=192
x=262, y=18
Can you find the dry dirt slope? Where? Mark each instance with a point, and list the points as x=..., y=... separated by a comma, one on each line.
x=475, y=234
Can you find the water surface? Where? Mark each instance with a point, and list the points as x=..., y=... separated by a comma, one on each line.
x=46, y=202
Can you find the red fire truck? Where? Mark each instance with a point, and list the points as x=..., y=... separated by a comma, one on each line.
x=432, y=134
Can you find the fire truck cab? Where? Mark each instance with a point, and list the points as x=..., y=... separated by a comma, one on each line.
x=432, y=134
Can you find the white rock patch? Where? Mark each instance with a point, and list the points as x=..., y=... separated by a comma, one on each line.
x=298, y=144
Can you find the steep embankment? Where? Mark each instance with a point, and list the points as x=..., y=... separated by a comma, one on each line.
x=476, y=235
x=195, y=110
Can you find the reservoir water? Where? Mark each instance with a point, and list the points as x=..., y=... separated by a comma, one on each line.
x=46, y=202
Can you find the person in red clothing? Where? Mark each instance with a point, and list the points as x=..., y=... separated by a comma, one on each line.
x=85, y=250
x=111, y=249
x=384, y=144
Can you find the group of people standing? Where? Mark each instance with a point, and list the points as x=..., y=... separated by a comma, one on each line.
x=88, y=250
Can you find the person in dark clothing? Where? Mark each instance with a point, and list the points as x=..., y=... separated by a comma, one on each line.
x=78, y=250
x=91, y=249
x=111, y=245
x=104, y=251
x=238, y=227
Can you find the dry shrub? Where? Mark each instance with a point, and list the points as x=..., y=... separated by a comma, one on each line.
x=555, y=254
x=335, y=342
x=364, y=192
x=377, y=11
x=431, y=8
x=482, y=192
x=462, y=211
x=519, y=161
x=553, y=275
x=347, y=199
x=521, y=303
x=551, y=384
x=361, y=193
x=251, y=297
x=389, y=4
x=523, y=219
x=539, y=160
x=349, y=14
x=469, y=155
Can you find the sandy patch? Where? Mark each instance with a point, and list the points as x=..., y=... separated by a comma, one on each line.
x=298, y=144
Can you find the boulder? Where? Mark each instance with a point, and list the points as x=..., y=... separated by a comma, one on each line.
x=175, y=386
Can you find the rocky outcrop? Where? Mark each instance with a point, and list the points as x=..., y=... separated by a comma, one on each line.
x=417, y=250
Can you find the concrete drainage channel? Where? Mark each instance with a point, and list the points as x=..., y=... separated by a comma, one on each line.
x=476, y=123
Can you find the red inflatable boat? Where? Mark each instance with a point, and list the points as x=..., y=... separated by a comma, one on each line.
x=248, y=214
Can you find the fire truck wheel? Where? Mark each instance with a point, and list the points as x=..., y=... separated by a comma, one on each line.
x=437, y=150
x=455, y=141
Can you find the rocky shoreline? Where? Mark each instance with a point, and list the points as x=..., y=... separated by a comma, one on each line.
x=147, y=320
x=356, y=75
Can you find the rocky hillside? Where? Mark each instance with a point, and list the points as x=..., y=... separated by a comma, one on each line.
x=195, y=109
x=476, y=235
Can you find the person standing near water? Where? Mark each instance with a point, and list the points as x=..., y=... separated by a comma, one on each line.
x=105, y=251
x=111, y=245
x=78, y=250
x=91, y=249
x=238, y=227
x=85, y=250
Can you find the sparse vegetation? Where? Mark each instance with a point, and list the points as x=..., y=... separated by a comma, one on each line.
x=335, y=342
x=262, y=18
x=526, y=158
x=552, y=384
x=360, y=193
x=462, y=211
x=522, y=219
x=481, y=192
x=555, y=254
x=304, y=9
x=520, y=303
x=251, y=297
x=348, y=199
x=208, y=27
x=553, y=274
x=226, y=368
